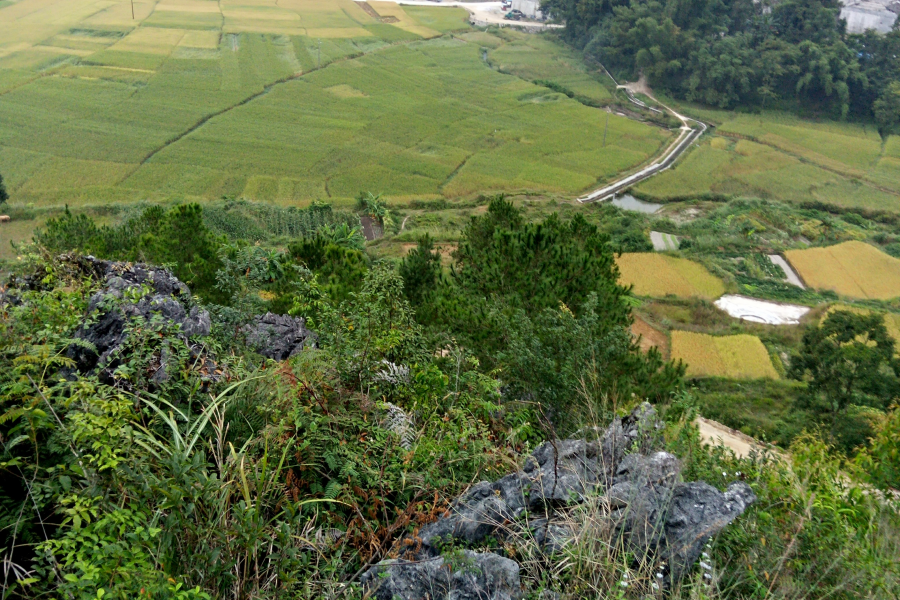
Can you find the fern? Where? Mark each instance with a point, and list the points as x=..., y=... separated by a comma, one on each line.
x=399, y=423
x=333, y=490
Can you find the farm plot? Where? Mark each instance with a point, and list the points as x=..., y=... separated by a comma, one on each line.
x=731, y=356
x=534, y=58
x=853, y=269
x=197, y=98
x=780, y=156
x=658, y=275
x=426, y=119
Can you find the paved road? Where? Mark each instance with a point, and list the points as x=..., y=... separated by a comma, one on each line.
x=483, y=13
x=691, y=129
x=716, y=434
x=789, y=272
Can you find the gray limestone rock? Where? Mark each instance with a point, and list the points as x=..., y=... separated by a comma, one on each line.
x=559, y=472
x=133, y=294
x=279, y=336
x=652, y=514
x=464, y=575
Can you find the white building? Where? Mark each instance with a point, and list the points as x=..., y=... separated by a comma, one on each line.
x=530, y=8
x=862, y=15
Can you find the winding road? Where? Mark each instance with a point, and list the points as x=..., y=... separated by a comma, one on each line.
x=489, y=13
x=686, y=136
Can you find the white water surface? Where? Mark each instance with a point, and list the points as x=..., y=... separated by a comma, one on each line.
x=761, y=311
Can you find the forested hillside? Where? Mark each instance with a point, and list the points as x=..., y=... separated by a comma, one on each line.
x=793, y=54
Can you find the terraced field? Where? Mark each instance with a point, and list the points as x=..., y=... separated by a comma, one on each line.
x=733, y=356
x=852, y=269
x=199, y=98
x=659, y=275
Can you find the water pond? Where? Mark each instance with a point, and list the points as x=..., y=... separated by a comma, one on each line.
x=629, y=202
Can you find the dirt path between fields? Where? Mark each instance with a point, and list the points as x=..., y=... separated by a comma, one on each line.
x=714, y=433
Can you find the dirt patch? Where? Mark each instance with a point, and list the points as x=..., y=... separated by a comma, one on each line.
x=685, y=216
x=444, y=250
x=369, y=10
x=714, y=433
x=650, y=337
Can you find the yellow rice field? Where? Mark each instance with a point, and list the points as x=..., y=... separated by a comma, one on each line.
x=852, y=269
x=732, y=356
x=657, y=275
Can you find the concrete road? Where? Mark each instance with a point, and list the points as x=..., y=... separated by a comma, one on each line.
x=482, y=13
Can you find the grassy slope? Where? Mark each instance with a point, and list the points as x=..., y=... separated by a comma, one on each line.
x=783, y=157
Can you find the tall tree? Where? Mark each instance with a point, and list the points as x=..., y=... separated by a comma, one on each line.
x=848, y=360
x=887, y=109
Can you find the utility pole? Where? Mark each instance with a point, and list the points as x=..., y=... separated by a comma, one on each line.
x=605, y=127
x=132, y=10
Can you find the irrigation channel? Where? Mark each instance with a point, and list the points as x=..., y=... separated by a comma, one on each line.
x=687, y=135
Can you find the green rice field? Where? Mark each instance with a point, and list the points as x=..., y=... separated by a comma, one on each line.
x=782, y=157
x=196, y=99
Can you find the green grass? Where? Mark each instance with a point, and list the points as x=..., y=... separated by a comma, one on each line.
x=741, y=167
x=541, y=58
x=439, y=19
x=765, y=409
x=388, y=112
x=782, y=157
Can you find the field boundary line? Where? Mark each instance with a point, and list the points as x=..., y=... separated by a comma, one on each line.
x=455, y=172
x=807, y=161
x=266, y=89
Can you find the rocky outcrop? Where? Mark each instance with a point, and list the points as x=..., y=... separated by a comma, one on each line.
x=465, y=575
x=653, y=515
x=279, y=337
x=663, y=520
x=135, y=295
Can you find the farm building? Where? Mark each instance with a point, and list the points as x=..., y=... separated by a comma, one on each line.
x=530, y=8
x=862, y=15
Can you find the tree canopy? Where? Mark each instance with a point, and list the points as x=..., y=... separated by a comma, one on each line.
x=731, y=53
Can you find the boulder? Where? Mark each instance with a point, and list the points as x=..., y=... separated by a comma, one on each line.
x=464, y=575
x=134, y=295
x=557, y=473
x=653, y=516
x=664, y=520
x=279, y=336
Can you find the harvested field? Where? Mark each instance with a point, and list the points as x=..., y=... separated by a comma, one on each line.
x=853, y=269
x=659, y=275
x=650, y=337
x=732, y=356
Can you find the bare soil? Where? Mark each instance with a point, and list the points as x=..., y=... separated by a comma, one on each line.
x=650, y=337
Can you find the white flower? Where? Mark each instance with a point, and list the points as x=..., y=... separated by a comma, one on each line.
x=659, y=575
x=705, y=566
